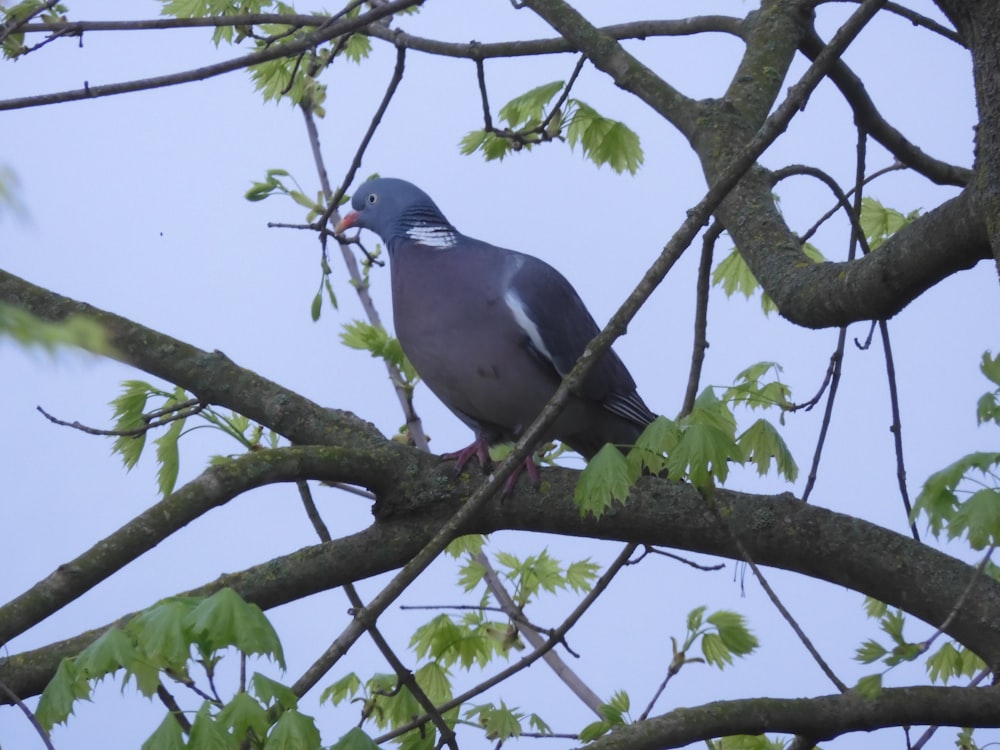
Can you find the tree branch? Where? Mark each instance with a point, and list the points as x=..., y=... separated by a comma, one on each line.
x=777, y=531
x=287, y=49
x=817, y=718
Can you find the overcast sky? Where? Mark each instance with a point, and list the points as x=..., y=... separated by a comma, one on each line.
x=135, y=204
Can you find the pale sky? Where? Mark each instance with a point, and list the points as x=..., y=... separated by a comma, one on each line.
x=135, y=204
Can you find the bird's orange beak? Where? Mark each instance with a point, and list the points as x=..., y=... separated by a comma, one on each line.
x=346, y=222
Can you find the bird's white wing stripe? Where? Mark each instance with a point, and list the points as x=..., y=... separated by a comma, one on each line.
x=431, y=235
x=517, y=309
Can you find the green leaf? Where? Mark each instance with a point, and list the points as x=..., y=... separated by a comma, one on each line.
x=870, y=651
x=990, y=367
x=471, y=574
x=168, y=736
x=605, y=479
x=449, y=642
x=128, y=414
x=653, y=446
x=358, y=47
x=869, y=686
x=206, y=734
x=761, y=443
x=471, y=544
x=374, y=339
x=733, y=631
x=581, y=574
x=879, y=223
x=168, y=457
x=435, y=680
x=979, y=518
x=317, y=306
x=603, y=140
x=538, y=724
x=244, y=714
x=695, y=618
x=874, y=608
x=938, y=498
x=293, y=731
x=110, y=652
x=734, y=275
x=949, y=662
x=160, y=633
x=528, y=109
x=224, y=619
x=343, y=689
x=707, y=443
x=270, y=692
x=355, y=740
x=64, y=689
x=500, y=723
x=593, y=731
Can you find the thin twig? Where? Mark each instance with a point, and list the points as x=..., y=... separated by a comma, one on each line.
x=321, y=35
x=700, y=342
x=333, y=201
x=12, y=696
x=154, y=419
x=599, y=587
x=650, y=550
x=167, y=699
x=404, y=676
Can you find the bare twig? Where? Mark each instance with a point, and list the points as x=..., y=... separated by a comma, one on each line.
x=700, y=342
x=306, y=42
x=650, y=550
x=404, y=677
x=12, y=696
x=153, y=419
x=599, y=587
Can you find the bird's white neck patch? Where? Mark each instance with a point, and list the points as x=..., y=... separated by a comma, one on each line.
x=432, y=235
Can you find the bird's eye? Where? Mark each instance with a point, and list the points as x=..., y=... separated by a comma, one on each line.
x=372, y=199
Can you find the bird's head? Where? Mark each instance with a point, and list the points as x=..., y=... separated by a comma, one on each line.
x=394, y=209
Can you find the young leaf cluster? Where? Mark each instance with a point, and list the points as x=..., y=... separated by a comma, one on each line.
x=134, y=421
x=747, y=742
x=13, y=45
x=376, y=341
x=179, y=638
x=948, y=662
x=29, y=330
x=614, y=713
x=531, y=119
x=734, y=275
x=698, y=447
x=963, y=499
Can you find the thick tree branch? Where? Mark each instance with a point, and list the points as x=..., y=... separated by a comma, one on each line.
x=816, y=718
x=778, y=531
x=867, y=115
x=214, y=487
x=211, y=376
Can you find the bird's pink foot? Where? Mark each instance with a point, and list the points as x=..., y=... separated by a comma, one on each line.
x=480, y=449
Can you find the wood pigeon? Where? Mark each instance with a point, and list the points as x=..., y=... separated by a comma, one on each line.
x=491, y=331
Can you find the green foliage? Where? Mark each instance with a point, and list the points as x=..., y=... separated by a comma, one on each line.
x=500, y=723
x=607, y=477
x=272, y=185
x=29, y=330
x=879, y=223
x=375, y=340
x=614, y=713
x=963, y=499
x=746, y=742
x=13, y=44
x=171, y=639
x=355, y=740
x=734, y=275
x=869, y=686
x=531, y=119
x=698, y=447
x=536, y=573
x=602, y=140
x=949, y=662
x=174, y=409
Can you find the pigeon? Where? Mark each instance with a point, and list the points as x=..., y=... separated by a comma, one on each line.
x=492, y=332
